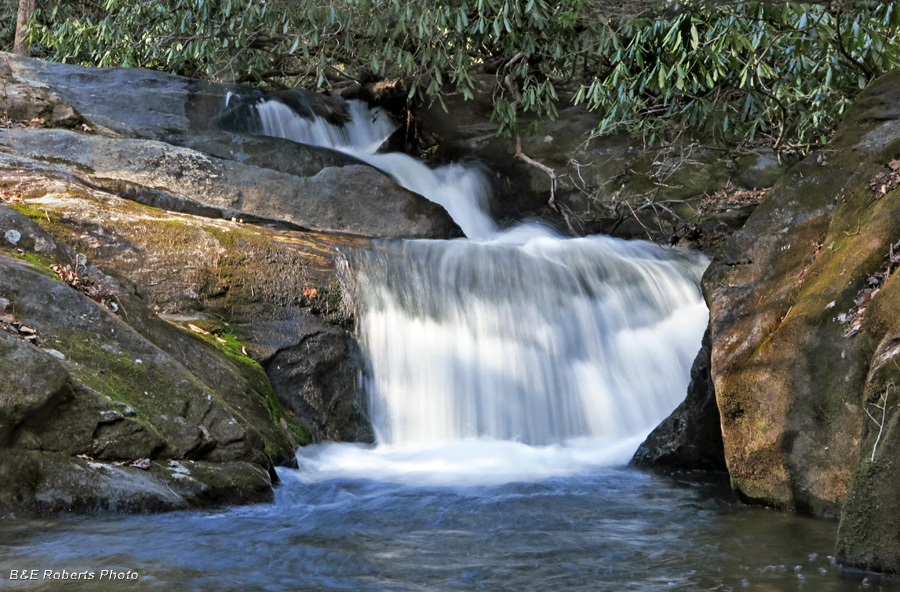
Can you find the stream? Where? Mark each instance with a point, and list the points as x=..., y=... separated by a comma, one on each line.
x=510, y=377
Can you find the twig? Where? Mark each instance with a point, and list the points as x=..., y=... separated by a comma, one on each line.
x=880, y=424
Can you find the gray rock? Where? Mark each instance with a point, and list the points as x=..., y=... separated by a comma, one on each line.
x=31, y=384
x=691, y=437
x=317, y=378
x=354, y=199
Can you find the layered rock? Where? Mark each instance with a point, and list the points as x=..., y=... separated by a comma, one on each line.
x=218, y=341
x=141, y=122
x=100, y=400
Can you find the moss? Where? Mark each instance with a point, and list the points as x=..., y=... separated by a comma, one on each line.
x=116, y=375
x=41, y=262
x=329, y=301
x=25, y=210
x=221, y=336
x=119, y=378
x=50, y=222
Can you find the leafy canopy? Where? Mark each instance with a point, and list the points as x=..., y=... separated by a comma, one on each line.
x=780, y=71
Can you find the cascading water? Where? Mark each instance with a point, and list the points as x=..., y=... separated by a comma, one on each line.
x=492, y=362
x=512, y=354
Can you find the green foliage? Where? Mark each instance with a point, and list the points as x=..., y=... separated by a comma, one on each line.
x=777, y=70
x=8, y=15
x=784, y=70
x=188, y=37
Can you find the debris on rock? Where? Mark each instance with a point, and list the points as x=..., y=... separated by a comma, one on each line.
x=885, y=182
x=874, y=283
x=97, y=292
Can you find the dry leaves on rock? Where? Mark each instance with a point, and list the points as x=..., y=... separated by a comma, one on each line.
x=874, y=283
x=12, y=325
x=731, y=198
x=97, y=292
x=22, y=124
x=884, y=183
x=11, y=197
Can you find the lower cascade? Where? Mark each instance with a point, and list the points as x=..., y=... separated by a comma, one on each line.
x=512, y=354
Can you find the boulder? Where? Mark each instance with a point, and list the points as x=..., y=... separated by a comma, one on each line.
x=21, y=101
x=268, y=292
x=799, y=301
x=691, y=437
x=136, y=147
x=101, y=384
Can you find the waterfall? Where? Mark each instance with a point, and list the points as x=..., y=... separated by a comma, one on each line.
x=519, y=337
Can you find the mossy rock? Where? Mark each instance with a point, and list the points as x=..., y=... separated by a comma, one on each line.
x=790, y=367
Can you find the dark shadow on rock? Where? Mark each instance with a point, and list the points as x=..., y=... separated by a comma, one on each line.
x=691, y=437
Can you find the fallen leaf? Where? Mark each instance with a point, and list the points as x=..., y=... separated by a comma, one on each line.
x=895, y=164
x=83, y=456
x=141, y=463
x=220, y=340
x=197, y=329
x=87, y=128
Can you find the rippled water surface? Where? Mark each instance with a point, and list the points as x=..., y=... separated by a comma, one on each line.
x=508, y=377
x=602, y=529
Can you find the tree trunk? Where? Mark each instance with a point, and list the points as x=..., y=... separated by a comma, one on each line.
x=26, y=9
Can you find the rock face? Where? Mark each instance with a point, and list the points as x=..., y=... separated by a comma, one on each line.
x=691, y=437
x=140, y=142
x=174, y=332
x=804, y=349
x=797, y=303
x=681, y=193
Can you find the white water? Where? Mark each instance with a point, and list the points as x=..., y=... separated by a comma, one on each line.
x=513, y=355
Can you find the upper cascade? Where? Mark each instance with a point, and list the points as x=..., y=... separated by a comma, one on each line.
x=462, y=191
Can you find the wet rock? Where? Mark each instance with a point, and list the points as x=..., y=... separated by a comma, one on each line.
x=329, y=200
x=50, y=483
x=317, y=379
x=691, y=437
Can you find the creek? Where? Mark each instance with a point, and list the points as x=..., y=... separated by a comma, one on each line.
x=511, y=375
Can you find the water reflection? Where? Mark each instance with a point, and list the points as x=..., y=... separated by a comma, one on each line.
x=605, y=529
